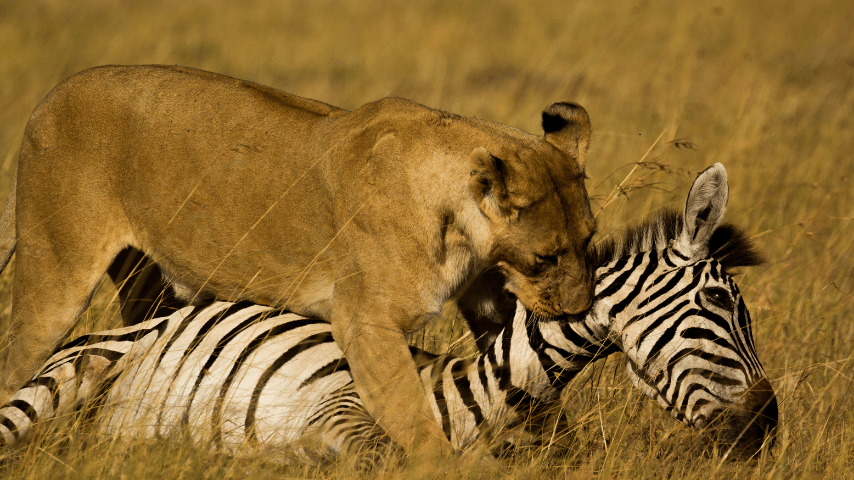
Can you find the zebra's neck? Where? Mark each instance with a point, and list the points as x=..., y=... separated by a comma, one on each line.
x=527, y=365
x=535, y=357
x=540, y=355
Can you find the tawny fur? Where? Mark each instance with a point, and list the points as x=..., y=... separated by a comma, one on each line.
x=371, y=219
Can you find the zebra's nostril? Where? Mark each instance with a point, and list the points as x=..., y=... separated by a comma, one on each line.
x=764, y=404
x=756, y=425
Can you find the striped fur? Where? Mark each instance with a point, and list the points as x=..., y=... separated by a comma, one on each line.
x=234, y=374
x=240, y=375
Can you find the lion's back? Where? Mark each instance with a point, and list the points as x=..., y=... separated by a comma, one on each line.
x=171, y=81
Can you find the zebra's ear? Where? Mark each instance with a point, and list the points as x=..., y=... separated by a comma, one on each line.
x=704, y=211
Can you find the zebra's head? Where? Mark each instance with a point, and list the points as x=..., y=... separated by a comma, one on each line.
x=664, y=297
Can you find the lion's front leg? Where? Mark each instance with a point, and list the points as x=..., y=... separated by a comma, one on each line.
x=372, y=338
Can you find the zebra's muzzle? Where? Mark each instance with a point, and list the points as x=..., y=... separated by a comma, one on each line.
x=742, y=433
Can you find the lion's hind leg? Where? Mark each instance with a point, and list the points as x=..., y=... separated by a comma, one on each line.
x=8, y=236
x=60, y=261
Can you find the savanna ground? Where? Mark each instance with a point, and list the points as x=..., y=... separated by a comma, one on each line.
x=765, y=87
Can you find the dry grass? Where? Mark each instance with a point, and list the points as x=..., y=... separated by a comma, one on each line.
x=765, y=87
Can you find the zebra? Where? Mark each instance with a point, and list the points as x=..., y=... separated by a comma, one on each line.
x=242, y=375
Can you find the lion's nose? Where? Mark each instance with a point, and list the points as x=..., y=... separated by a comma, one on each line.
x=579, y=300
x=577, y=308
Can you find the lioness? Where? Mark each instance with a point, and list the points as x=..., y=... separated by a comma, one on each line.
x=371, y=219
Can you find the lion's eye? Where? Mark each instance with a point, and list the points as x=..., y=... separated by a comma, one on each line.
x=545, y=260
x=719, y=297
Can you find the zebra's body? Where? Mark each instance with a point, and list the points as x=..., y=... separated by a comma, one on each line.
x=233, y=373
x=240, y=375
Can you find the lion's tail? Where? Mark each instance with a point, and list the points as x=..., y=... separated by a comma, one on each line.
x=8, y=237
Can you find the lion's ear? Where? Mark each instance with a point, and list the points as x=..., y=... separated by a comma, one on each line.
x=488, y=183
x=567, y=127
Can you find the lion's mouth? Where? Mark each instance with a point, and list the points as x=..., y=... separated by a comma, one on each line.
x=546, y=310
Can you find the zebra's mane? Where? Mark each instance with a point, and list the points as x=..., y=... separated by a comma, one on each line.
x=729, y=244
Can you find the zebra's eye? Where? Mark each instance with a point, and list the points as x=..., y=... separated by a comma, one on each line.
x=718, y=297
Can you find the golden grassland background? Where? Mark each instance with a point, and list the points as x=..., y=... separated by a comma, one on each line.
x=766, y=87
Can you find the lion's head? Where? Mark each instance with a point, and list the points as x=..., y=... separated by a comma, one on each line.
x=540, y=214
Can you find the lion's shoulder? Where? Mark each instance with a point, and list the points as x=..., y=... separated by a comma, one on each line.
x=452, y=130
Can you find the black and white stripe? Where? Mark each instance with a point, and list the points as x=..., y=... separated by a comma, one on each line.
x=238, y=374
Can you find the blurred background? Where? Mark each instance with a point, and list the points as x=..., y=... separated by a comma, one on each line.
x=766, y=87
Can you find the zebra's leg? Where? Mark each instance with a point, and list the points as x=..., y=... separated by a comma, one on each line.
x=551, y=430
x=63, y=386
x=487, y=307
x=349, y=433
x=142, y=292
x=76, y=373
x=367, y=443
x=544, y=431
